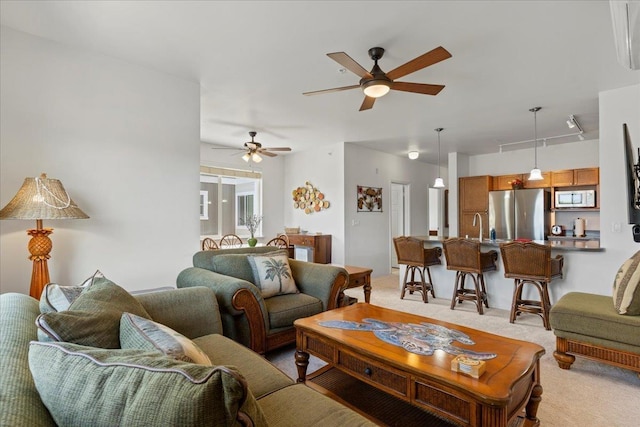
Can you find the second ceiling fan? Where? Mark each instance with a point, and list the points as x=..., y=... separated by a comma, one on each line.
x=377, y=83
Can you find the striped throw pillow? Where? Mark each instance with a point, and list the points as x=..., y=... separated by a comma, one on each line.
x=626, y=287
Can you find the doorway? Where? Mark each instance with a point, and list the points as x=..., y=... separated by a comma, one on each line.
x=399, y=216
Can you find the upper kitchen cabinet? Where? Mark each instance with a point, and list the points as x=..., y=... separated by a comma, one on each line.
x=574, y=177
x=545, y=182
x=503, y=182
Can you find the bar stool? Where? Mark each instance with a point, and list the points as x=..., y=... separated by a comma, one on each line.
x=464, y=257
x=412, y=253
x=530, y=263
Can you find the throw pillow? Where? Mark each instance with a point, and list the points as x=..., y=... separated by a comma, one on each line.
x=136, y=388
x=626, y=287
x=93, y=319
x=139, y=333
x=272, y=274
x=58, y=298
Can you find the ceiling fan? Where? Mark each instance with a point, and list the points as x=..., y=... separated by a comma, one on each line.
x=377, y=83
x=254, y=149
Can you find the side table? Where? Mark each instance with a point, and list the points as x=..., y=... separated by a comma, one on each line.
x=360, y=276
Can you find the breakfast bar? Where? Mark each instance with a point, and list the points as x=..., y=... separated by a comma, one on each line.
x=579, y=254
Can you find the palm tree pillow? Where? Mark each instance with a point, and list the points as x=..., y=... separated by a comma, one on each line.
x=272, y=274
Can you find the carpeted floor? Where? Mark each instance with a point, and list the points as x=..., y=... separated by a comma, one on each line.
x=590, y=394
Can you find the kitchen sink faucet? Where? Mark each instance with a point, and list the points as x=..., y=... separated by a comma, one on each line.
x=477, y=215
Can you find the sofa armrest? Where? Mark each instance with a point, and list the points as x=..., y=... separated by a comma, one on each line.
x=323, y=281
x=193, y=312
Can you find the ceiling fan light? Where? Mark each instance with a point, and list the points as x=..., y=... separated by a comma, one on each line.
x=535, y=175
x=246, y=157
x=413, y=155
x=439, y=183
x=376, y=88
x=256, y=158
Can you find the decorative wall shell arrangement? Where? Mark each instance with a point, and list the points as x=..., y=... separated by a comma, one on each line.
x=309, y=199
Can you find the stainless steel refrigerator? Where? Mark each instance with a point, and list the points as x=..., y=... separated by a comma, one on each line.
x=520, y=214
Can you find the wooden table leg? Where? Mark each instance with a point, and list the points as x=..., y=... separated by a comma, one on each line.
x=532, y=407
x=302, y=362
x=367, y=288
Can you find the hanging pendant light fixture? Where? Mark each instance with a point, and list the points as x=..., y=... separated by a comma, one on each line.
x=439, y=183
x=536, y=174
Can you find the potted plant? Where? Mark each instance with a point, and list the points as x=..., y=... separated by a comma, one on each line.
x=252, y=222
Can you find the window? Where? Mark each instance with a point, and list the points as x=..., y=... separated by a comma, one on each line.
x=227, y=196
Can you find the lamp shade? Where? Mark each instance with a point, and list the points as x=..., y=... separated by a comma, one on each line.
x=413, y=155
x=439, y=183
x=535, y=175
x=42, y=198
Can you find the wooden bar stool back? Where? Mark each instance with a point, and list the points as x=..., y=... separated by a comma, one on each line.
x=412, y=253
x=530, y=263
x=208, y=244
x=465, y=258
x=230, y=241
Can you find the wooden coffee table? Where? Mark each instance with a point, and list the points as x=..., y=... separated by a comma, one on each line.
x=506, y=394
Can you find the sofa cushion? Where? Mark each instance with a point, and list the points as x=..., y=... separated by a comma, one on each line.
x=314, y=408
x=139, y=333
x=284, y=309
x=136, y=388
x=58, y=298
x=592, y=315
x=272, y=274
x=93, y=319
x=234, y=265
x=262, y=377
x=626, y=287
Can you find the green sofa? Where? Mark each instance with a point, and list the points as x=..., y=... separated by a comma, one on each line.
x=260, y=393
x=588, y=325
x=263, y=324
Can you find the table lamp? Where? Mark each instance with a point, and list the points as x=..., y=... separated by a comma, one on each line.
x=41, y=198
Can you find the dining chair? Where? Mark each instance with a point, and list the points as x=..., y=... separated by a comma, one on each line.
x=230, y=241
x=208, y=244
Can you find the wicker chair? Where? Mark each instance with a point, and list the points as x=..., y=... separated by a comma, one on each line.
x=230, y=241
x=208, y=244
x=412, y=253
x=530, y=263
x=464, y=257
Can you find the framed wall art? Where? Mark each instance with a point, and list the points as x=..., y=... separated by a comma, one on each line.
x=369, y=199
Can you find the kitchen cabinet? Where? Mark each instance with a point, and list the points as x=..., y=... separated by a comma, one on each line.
x=473, y=196
x=545, y=182
x=503, y=182
x=575, y=177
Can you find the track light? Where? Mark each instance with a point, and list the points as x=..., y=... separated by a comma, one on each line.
x=413, y=155
x=571, y=123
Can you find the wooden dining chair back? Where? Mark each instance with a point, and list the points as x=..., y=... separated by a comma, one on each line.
x=208, y=244
x=530, y=263
x=278, y=242
x=290, y=247
x=230, y=241
x=412, y=253
x=466, y=259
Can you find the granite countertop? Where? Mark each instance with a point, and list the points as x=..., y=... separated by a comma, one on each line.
x=587, y=245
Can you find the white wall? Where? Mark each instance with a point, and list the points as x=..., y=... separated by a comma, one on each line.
x=323, y=167
x=368, y=242
x=124, y=142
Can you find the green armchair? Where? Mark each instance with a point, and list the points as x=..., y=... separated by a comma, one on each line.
x=263, y=324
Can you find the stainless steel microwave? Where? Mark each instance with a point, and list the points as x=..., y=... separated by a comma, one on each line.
x=575, y=199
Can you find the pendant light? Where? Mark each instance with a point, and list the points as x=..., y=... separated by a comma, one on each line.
x=439, y=183
x=536, y=174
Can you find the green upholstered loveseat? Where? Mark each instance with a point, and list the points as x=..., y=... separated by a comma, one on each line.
x=263, y=324
x=588, y=325
x=267, y=396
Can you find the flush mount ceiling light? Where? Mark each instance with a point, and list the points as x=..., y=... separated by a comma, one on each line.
x=439, y=183
x=413, y=155
x=536, y=174
x=625, y=16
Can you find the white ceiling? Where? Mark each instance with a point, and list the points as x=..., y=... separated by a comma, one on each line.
x=254, y=60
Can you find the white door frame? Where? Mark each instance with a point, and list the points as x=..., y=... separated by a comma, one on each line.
x=403, y=209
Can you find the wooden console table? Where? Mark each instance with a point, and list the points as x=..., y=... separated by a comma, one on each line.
x=320, y=243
